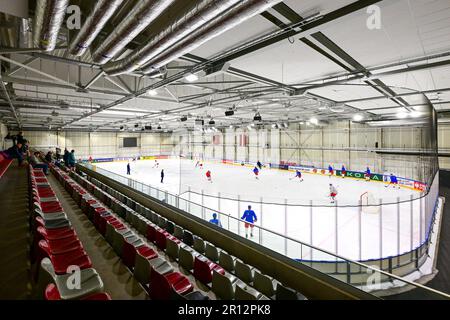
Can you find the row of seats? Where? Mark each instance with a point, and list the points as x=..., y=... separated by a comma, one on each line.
x=4, y=164
x=154, y=272
x=57, y=252
x=227, y=276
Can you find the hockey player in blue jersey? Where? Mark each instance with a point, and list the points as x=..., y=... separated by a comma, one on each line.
x=367, y=174
x=298, y=175
x=250, y=218
x=256, y=172
x=393, y=181
x=128, y=168
x=330, y=170
x=343, y=171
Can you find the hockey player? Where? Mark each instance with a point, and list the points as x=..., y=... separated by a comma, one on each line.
x=367, y=174
x=259, y=165
x=256, y=172
x=330, y=170
x=128, y=168
x=333, y=193
x=250, y=218
x=298, y=175
x=343, y=171
x=162, y=176
x=208, y=175
x=197, y=163
x=393, y=181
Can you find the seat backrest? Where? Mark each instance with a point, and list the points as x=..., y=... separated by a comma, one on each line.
x=222, y=286
x=185, y=259
x=211, y=252
x=162, y=222
x=170, y=227
x=263, y=283
x=245, y=293
x=188, y=238
x=226, y=261
x=178, y=232
x=160, y=287
x=141, y=269
x=172, y=248
x=285, y=293
x=243, y=271
x=199, y=244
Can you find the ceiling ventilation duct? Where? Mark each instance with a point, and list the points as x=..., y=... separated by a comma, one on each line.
x=238, y=14
x=143, y=13
x=171, y=35
x=48, y=19
x=94, y=23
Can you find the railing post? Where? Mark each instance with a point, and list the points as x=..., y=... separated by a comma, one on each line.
x=398, y=231
x=285, y=226
x=359, y=230
x=239, y=215
x=189, y=199
x=336, y=239
x=311, y=227
x=261, y=219
x=203, y=205
x=381, y=233
x=411, y=222
x=218, y=201
x=348, y=273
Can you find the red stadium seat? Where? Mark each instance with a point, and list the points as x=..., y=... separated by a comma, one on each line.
x=203, y=269
x=161, y=286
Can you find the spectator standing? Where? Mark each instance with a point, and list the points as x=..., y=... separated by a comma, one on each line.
x=215, y=221
x=72, y=160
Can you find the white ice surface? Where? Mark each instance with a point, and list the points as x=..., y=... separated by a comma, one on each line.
x=355, y=235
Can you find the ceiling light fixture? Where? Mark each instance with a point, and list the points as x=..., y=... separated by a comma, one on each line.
x=357, y=117
x=191, y=77
x=152, y=92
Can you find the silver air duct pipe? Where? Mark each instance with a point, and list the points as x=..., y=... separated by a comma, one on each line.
x=143, y=13
x=245, y=10
x=48, y=19
x=168, y=37
x=94, y=23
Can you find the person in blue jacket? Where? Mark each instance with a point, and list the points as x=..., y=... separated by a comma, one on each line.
x=250, y=218
x=71, y=159
x=15, y=152
x=66, y=157
x=128, y=168
x=215, y=221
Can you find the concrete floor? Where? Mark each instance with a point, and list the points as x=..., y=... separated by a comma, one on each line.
x=14, y=234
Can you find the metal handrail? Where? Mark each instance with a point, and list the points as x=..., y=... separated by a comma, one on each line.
x=346, y=260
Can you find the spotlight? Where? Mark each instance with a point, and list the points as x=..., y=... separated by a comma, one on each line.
x=136, y=125
x=229, y=112
x=183, y=118
x=212, y=122
x=401, y=115
x=314, y=121
x=257, y=117
x=159, y=127
x=191, y=77
x=152, y=92
x=121, y=127
x=357, y=117
x=148, y=127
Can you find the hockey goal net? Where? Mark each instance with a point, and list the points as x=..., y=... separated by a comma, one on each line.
x=369, y=203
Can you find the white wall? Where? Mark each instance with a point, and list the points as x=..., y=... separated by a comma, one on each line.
x=298, y=144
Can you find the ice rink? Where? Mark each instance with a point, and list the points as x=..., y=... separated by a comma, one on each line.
x=300, y=210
